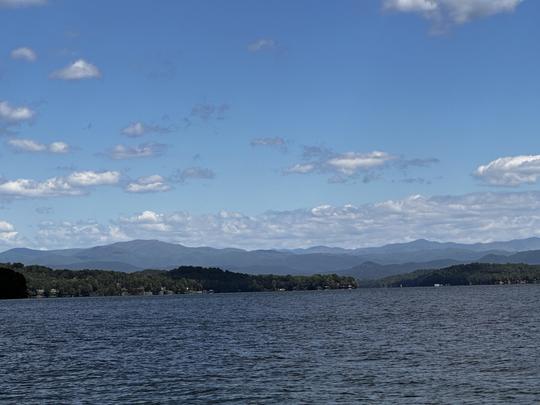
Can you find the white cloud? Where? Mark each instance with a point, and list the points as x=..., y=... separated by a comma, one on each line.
x=59, y=147
x=150, y=149
x=301, y=168
x=75, y=183
x=342, y=166
x=351, y=162
x=412, y=5
x=29, y=145
x=11, y=114
x=276, y=141
x=52, y=187
x=8, y=234
x=467, y=218
x=510, y=171
x=80, y=233
x=6, y=226
x=261, y=45
x=479, y=217
x=149, y=221
x=26, y=145
x=78, y=70
x=148, y=184
x=21, y=3
x=90, y=178
x=137, y=129
x=443, y=12
x=24, y=53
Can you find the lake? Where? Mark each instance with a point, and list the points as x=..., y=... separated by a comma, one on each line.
x=410, y=345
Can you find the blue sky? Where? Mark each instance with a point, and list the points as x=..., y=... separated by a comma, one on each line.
x=264, y=124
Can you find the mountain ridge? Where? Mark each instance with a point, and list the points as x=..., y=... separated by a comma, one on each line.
x=140, y=254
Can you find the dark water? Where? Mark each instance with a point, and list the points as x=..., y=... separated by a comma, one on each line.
x=431, y=345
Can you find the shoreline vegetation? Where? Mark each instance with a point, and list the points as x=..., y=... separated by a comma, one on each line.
x=12, y=284
x=20, y=281
x=462, y=274
x=43, y=282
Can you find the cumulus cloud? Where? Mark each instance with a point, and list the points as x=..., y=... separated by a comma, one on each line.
x=137, y=129
x=261, y=45
x=275, y=142
x=444, y=12
x=90, y=178
x=8, y=234
x=29, y=145
x=59, y=147
x=150, y=149
x=479, y=217
x=80, y=233
x=510, y=171
x=52, y=187
x=342, y=167
x=76, y=183
x=351, y=162
x=193, y=173
x=467, y=218
x=78, y=70
x=24, y=53
x=148, y=184
x=12, y=114
x=21, y=3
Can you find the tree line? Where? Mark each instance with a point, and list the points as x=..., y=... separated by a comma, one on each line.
x=463, y=274
x=40, y=281
x=12, y=284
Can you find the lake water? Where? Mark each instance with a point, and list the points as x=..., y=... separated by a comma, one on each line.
x=417, y=345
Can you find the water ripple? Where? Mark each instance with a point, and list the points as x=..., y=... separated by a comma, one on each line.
x=410, y=346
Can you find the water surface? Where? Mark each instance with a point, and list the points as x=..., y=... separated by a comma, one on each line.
x=410, y=345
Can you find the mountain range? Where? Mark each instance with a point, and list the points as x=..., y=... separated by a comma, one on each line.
x=363, y=263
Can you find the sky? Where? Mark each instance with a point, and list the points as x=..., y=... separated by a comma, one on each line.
x=268, y=124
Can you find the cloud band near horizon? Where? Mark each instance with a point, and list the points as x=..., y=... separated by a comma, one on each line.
x=468, y=218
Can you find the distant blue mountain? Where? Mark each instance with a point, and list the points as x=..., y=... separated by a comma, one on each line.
x=145, y=254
